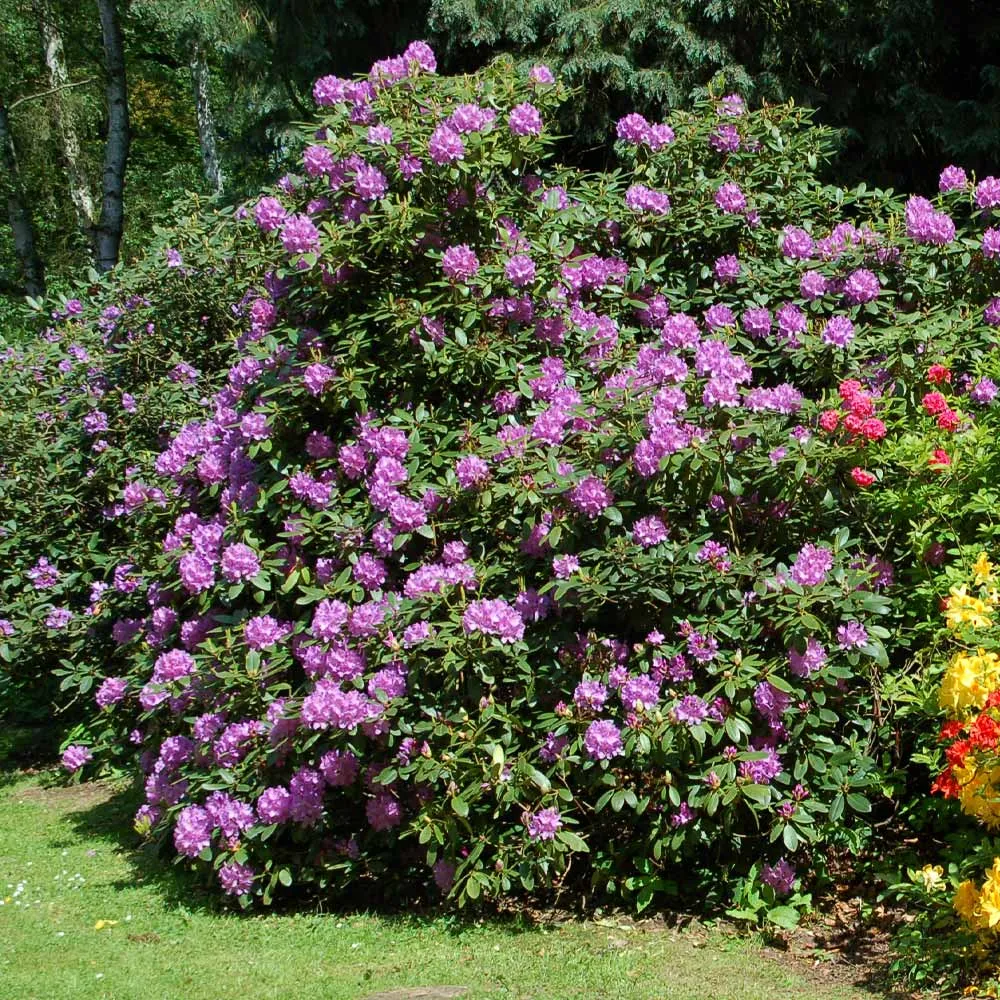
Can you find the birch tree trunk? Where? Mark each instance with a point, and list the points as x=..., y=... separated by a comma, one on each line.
x=206, y=120
x=17, y=212
x=55, y=61
x=108, y=231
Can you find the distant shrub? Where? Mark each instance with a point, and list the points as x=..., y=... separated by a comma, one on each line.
x=90, y=397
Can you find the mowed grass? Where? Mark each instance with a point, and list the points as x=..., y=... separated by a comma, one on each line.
x=66, y=867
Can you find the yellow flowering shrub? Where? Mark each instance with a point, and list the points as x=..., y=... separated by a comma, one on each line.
x=979, y=792
x=971, y=678
x=979, y=906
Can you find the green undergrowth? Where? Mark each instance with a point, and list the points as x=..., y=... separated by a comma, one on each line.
x=86, y=915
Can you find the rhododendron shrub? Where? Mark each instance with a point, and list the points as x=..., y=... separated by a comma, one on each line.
x=510, y=535
x=86, y=405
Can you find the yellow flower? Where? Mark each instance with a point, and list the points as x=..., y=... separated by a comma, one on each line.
x=966, y=901
x=932, y=876
x=964, y=609
x=989, y=896
x=979, y=793
x=982, y=569
x=970, y=679
x=101, y=924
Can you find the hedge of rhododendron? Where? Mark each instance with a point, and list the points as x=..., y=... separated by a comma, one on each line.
x=532, y=515
x=111, y=375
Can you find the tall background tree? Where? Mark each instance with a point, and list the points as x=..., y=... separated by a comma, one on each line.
x=911, y=85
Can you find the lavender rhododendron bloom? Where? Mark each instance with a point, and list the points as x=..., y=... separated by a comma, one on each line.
x=239, y=562
x=780, y=877
x=544, y=824
x=192, y=831
x=807, y=662
x=851, y=635
x=459, y=263
x=797, y=243
x=730, y=198
x=445, y=145
x=300, y=235
x=235, y=878
x=111, y=691
x=987, y=193
x=494, y=617
x=75, y=756
x=590, y=696
x=525, y=119
x=838, y=331
x=812, y=565
x=952, y=179
x=603, y=740
x=590, y=496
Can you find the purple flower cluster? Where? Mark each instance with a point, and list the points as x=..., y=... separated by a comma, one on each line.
x=75, y=756
x=811, y=565
x=460, y=263
x=494, y=617
x=590, y=496
x=811, y=659
x=926, y=225
x=525, y=119
x=603, y=740
x=780, y=877
x=544, y=824
x=640, y=198
x=636, y=131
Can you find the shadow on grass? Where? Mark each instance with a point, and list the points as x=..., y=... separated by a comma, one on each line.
x=863, y=960
x=109, y=819
x=152, y=864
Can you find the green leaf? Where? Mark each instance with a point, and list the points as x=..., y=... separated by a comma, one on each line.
x=784, y=916
x=790, y=837
x=540, y=780
x=573, y=841
x=859, y=803
x=757, y=793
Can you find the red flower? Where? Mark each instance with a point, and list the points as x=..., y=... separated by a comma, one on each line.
x=939, y=459
x=862, y=477
x=951, y=729
x=849, y=388
x=873, y=429
x=937, y=374
x=828, y=420
x=861, y=405
x=853, y=423
x=984, y=732
x=955, y=754
x=934, y=403
x=946, y=784
x=949, y=420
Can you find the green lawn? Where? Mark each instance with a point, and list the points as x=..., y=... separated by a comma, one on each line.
x=64, y=869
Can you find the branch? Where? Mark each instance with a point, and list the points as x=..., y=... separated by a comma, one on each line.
x=51, y=90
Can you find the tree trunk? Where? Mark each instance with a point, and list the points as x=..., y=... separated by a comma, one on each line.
x=108, y=231
x=55, y=60
x=206, y=120
x=17, y=212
